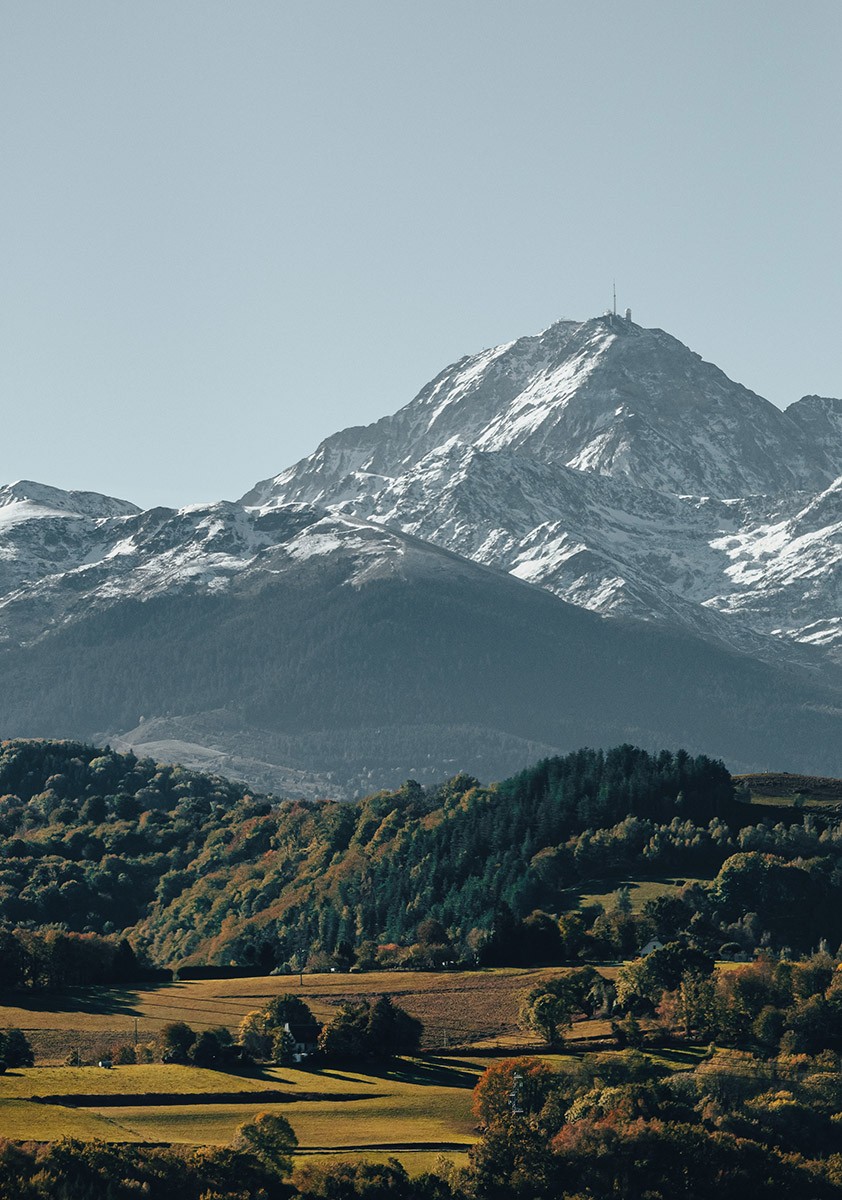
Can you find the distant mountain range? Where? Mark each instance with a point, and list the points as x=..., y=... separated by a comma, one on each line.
x=583, y=537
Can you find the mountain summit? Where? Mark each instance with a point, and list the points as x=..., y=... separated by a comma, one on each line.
x=613, y=466
x=603, y=395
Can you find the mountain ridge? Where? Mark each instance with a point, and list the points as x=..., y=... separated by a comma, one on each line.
x=534, y=487
x=599, y=411
x=587, y=395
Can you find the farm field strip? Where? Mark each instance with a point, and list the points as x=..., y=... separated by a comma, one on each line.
x=456, y=1008
x=382, y=1121
x=424, y=1103
x=177, y=1080
x=416, y=1162
x=640, y=890
x=21, y=1120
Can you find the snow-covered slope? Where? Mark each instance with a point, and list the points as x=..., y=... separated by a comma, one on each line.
x=46, y=532
x=57, y=564
x=784, y=572
x=726, y=568
x=611, y=465
x=603, y=395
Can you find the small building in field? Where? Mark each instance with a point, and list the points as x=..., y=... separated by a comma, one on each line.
x=652, y=944
x=305, y=1040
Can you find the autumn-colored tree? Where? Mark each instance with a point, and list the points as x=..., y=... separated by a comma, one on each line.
x=253, y=1036
x=692, y=1008
x=547, y=1013
x=263, y=1032
x=744, y=992
x=513, y=1088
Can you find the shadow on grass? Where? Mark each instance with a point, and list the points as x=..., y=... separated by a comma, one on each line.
x=463, y=1064
x=430, y=1072
x=91, y=1000
x=335, y=1074
x=140, y=998
x=690, y=1056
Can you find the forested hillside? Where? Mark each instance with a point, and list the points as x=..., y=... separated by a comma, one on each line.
x=347, y=656
x=106, y=855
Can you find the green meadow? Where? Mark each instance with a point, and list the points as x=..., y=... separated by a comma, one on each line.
x=419, y=1105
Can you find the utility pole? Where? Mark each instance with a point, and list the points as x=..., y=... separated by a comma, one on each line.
x=516, y=1095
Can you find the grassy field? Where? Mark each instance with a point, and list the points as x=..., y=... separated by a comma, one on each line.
x=416, y=1111
x=419, y=1106
x=780, y=790
x=461, y=1008
x=20, y=1120
x=640, y=890
x=387, y=1123
x=153, y=1078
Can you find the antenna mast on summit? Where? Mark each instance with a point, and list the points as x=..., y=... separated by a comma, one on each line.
x=615, y=297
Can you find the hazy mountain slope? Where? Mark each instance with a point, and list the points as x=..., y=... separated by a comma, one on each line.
x=350, y=627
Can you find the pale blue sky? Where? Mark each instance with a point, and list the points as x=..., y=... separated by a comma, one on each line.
x=229, y=229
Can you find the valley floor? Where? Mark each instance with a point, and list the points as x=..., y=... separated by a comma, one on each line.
x=417, y=1110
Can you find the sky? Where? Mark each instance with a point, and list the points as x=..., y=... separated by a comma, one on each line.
x=228, y=230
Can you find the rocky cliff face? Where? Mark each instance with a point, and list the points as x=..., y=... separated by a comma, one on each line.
x=603, y=395
x=820, y=417
x=611, y=465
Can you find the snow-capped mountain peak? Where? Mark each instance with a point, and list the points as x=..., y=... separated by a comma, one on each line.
x=26, y=499
x=603, y=395
x=611, y=465
x=820, y=417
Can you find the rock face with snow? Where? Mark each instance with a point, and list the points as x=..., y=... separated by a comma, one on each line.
x=44, y=530
x=611, y=465
x=820, y=417
x=413, y=598
x=603, y=395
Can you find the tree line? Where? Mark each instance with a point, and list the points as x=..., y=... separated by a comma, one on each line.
x=112, y=865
